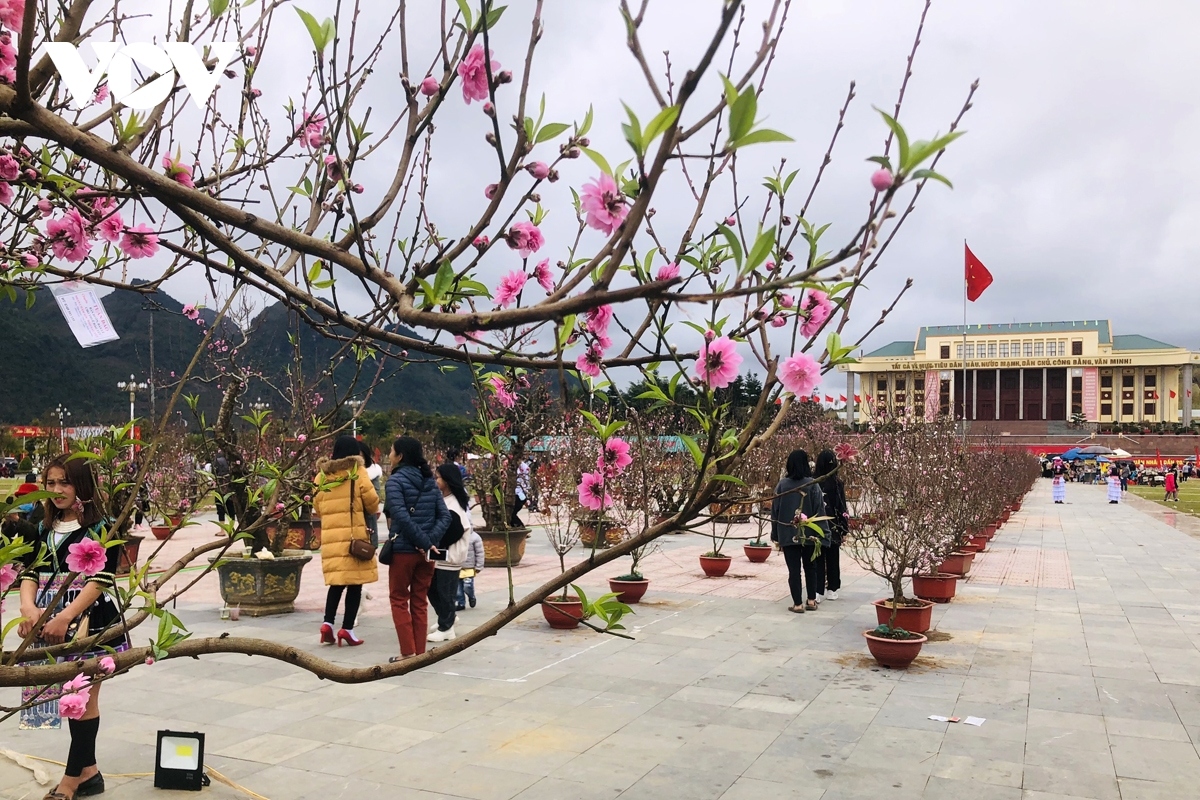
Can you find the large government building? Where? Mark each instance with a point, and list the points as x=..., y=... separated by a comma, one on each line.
x=1026, y=371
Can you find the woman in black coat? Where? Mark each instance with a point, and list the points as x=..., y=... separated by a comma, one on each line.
x=798, y=493
x=834, y=492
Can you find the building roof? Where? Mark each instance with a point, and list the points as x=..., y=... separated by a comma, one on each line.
x=1103, y=326
x=893, y=350
x=1134, y=341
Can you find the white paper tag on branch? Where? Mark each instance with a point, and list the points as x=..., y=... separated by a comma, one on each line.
x=84, y=313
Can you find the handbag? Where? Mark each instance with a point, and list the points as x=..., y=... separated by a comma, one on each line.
x=361, y=549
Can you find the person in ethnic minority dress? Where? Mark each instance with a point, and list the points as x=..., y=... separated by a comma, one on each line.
x=1059, y=482
x=1114, y=487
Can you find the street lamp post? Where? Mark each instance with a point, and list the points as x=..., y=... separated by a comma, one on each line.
x=259, y=405
x=355, y=406
x=63, y=416
x=132, y=386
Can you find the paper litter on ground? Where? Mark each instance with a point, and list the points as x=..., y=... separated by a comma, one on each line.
x=976, y=721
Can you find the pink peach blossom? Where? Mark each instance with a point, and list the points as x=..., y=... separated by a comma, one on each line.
x=845, y=451
x=591, y=361
x=149, y=661
x=101, y=93
x=139, y=242
x=510, y=286
x=10, y=169
x=179, y=172
x=614, y=458
x=800, y=374
x=882, y=180
x=538, y=169
x=541, y=273
x=525, y=238
x=107, y=665
x=604, y=204
x=818, y=309
x=474, y=74
x=77, y=684
x=313, y=133
x=6, y=194
x=87, y=557
x=12, y=13
x=667, y=272
x=481, y=242
x=489, y=191
x=8, y=574
x=787, y=301
x=598, y=319
x=504, y=396
x=68, y=236
x=8, y=59
x=110, y=228
x=430, y=86
x=73, y=706
x=592, y=494
x=718, y=363
x=778, y=321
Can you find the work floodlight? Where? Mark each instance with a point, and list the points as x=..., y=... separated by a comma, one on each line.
x=179, y=761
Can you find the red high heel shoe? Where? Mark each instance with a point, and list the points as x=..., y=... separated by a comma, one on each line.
x=326, y=633
x=349, y=638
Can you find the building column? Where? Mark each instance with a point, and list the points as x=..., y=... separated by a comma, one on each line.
x=997, y=393
x=1021, y=393
x=1185, y=396
x=1045, y=374
x=974, y=394
x=851, y=406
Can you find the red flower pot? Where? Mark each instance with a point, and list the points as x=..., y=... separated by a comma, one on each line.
x=914, y=619
x=1004, y=517
x=756, y=553
x=161, y=532
x=1015, y=507
x=894, y=653
x=957, y=563
x=980, y=541
x=990, y=530
x=563, y=614
x=968, y=548
x=938, y=588
x=628, y=591
x=715, y=566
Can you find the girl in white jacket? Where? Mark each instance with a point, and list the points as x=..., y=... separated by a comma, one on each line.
x=455, y=545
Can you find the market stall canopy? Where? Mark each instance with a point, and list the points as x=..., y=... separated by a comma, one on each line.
x=1095, y=450
x=1071, y=455
x=1119, y=453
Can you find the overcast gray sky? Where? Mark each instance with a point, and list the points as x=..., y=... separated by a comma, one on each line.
x=1075, y=184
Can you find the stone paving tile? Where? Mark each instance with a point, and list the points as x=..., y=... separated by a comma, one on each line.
x=1082, y=655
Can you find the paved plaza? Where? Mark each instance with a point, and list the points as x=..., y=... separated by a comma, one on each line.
x=1075, y=639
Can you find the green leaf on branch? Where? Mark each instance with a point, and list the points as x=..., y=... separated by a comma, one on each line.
x=633, y=131
x=693, y=448
x=322, y=33
x=734, y=244
x=761, y=249
x=901, y=138
x=761, y=137
x=217, y=7
x=922, y=150
x=587, y=123
x=599, y=160
x=465, y=8
x=493, y=17
x=549, y=131
x=928, y=174
x=662, y=120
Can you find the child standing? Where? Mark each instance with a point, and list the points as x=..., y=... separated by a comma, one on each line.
x=471, y=567
x=1114, y=487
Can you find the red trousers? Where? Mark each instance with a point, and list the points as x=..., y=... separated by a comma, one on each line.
x=409, y=576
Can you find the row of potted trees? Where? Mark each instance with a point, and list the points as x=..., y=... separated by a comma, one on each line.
x=935, y=502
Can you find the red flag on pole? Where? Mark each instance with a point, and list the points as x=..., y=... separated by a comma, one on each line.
x=977, y=276
x=828, y=399
x=857, y=399
x=842, y=398
x=1172, y=394
x=1158, y=457
x=1156, y=395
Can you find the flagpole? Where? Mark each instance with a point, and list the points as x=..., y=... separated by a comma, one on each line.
x=964, y=344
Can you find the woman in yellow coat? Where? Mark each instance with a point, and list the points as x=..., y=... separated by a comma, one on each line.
x=342, y=520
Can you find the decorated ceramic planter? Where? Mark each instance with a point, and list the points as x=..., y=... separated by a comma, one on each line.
x=261, y=587
x=502, y=549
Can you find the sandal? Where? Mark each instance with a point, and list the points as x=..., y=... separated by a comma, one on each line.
x=811, y=605
x=55, y=794
x=797, y=609
x=398, y=659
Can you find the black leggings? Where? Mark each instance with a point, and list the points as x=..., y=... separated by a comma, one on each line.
x=83, y=745
x=803, y=568
x=443, y=596
x=353, y=599
x=833, y=567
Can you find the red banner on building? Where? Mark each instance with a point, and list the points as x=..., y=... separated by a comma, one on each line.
x=27, y=431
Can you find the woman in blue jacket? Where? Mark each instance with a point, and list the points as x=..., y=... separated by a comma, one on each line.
x=417, y=518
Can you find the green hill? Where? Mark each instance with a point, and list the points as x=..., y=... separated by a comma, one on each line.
x=46, y=366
